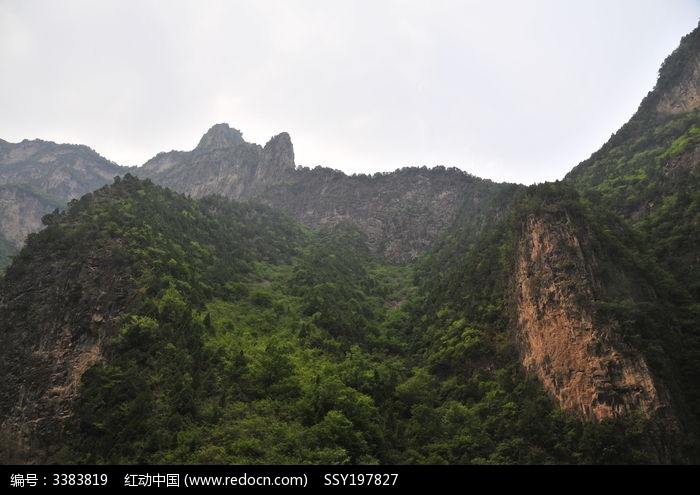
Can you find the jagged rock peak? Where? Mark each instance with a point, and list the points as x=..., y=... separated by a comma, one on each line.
x=677, y=89
x=220, y=136
x=280, y=151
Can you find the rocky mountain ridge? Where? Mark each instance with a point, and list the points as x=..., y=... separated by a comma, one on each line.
x=401, y=213
x=39, y=176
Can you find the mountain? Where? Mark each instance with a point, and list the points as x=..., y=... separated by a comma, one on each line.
x=401, y=212
x=22, y=207
x=648, y=175
x=37, y=177
x=269, y=313
x=573, y=290
x=224, y=164
x=649, y=171
x=142, y=326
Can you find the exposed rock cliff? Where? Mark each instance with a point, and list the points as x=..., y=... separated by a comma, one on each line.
x=583, y=358
x=223, y=164
x=586, y=366
x=220, y=136
x=401, y=213
x=52, y=328
x=678, y=87
x=684, y=95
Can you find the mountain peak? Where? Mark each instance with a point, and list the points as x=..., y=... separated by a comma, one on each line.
x=677, y=89
x=280, y=151
x=220, y=136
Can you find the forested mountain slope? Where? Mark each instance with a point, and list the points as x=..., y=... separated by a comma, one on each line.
x=649, y=171
x=142, y=326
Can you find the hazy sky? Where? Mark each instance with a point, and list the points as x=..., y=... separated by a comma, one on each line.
x=518, y=90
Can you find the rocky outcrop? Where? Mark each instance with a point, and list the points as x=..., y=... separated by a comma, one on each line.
x=277, y=160
x=223, y=164
x=678, y=87
x=401, y=213
x=586, y=366
x=62, y=171
x=220, y=136
x=52, y=328
x=684, y=94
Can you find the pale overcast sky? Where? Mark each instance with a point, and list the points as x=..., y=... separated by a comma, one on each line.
x=517, y=90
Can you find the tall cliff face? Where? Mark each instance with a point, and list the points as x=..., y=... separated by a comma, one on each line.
x=678, y=87
x=586, y=365
x=589, y=324
x=53, y=324
x=684, y=95
x=400, y=213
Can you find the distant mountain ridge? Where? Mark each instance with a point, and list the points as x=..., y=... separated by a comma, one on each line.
x=58, y=170
x=401, y=212
x=37, y=177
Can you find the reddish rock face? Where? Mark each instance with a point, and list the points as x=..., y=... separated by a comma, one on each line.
x=585, y=366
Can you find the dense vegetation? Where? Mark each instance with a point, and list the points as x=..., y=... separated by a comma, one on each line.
x=6, y=251
x=253, y=340
x=648, y=175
